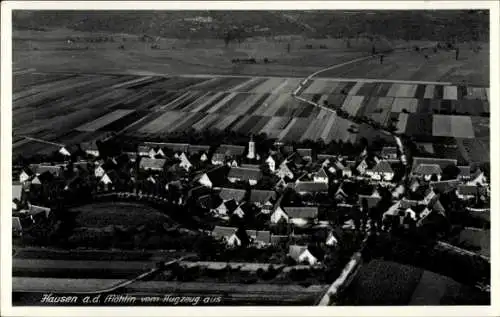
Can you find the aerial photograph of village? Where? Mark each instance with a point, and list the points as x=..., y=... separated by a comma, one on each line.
x=251, y=158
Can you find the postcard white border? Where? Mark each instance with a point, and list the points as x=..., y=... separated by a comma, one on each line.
x=6, y=158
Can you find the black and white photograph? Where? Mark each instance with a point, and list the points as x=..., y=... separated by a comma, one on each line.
x=256, y=157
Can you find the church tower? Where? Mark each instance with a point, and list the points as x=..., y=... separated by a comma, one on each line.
x=251, y=149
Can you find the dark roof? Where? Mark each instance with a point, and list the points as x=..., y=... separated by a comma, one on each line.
x=150, y=163
x=209, y=201
x=198, y=148
x=438, y=207
x=251, y=166
x=305, y=152
x=278, y=238
x=464, y=171
x=445, y=186
x=176, y=147
x=55, y=170
x=428, y=169
x=323, y=157
x=232, y=194
x=301, y=212
x=228, y=149
x=218, y=175
x=311, y=187
x=220, y=231
x=430, y=160
x=407, y=203
x=470, y=190
x=262, y=196
x=46, y=177
x=382, y=167
x=388, y=150
x=244, y=173
x=89, y=146
x=263, y=236
x=321, y=173
x=372, y=201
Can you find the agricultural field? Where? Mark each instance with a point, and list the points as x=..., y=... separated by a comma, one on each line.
x=128, y=214
x=390, y=283
x=441, y=66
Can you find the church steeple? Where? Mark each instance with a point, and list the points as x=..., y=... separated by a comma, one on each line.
x=251, y=149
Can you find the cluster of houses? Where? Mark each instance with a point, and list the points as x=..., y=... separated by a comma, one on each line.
x=239, y=183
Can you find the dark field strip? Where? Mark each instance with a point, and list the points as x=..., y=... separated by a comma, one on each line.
x=189, y=123
x=298, y=129
x=316, y=97
x=232, y=105
x=257, y=104
x=253, y=85
x=382, y=89
x=438, y=92
x=259, y=125
x=305, y=112
x=21, y=82
x=221, y=84
x=157, y=99
x=182, y=83
x=420, y=93
x=461, y=92
x=419, y=124
x=249, y=124
x=146, y=84
x=336, y=100
x=235, y=122
x=125, y=121
x=214, y=102
x=367, y=89
x=349, y=86
x=186, y=102
x=168, y=98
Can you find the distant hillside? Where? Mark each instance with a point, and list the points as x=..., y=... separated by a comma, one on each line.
x=465, y=25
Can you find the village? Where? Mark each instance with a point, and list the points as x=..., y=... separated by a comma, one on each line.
x=248, y=196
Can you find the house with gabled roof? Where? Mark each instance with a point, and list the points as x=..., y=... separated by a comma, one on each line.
x=371, y=200
x=17, y=228
x=299, y=216
x=227, y=194
x=184, y=162
x=271, y=162
x=214, y=177
x=466, y=192
x=55, y=170
x=260, y=238
x=300, y=254
x=225, y=208
x=227, y=234
x=303, y=188
x=244, y=174
x=263, y=199
x=425, y=167
x=305, y=154
x=320, y=176
x=446, y=186
x=284, y=171
x=381, y=171
x=477, y=178
x=464, y=173
x=389, y=152
x=44, y=178
x=90, y=148
x=152, y=164
x=25, y=175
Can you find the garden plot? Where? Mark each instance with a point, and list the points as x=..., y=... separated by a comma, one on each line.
x=429, y=91
x=441, y=125
x=461, y=127
x=104, y=120
x=476, y=93
x=352, y=104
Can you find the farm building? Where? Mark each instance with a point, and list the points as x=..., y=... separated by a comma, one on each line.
x=244, y=174
x=305, y=154
x=320, y=176
x=263, y=199
x=237, y=195
x=381, y=171
x=303, y=188
x=477, y=178
x=227, y=234
x=151, y=164
x=425, y=167
x=299, y=216
x=260, y=238
x=213, y=178
x=389, y=152
x=464, y=173
x=466, y=192
x=301, y=254
x=55, y=170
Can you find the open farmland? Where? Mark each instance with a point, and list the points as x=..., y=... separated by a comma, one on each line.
x=441, y=66
x=117, y=213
